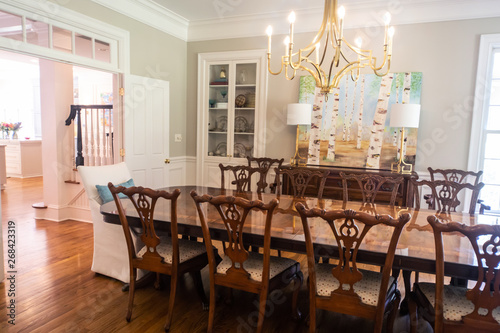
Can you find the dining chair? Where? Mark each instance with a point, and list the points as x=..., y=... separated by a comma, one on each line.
x=253, y=272
x=446, y=194
x=459, y=309
x=160, y=254
x=343, y=288
x=299, y=179
x=370, y=186
x=265, y=163
x=241, y=174
x=457, y=176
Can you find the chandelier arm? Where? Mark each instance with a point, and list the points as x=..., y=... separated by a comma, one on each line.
x=269, y=65
x=286, y=73
x=319, y=75
x=297, y=65
x=386, y=71
x=346, y=69
x=321, y=31
x=373, y=64
x=358, y=72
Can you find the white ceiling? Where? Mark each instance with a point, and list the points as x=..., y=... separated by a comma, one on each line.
x=199, y=10
x=195, y=20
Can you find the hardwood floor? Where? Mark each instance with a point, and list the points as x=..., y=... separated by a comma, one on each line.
x=57, y=292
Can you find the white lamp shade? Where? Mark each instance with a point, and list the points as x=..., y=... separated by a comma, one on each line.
x=405, y=115
x=298, y=114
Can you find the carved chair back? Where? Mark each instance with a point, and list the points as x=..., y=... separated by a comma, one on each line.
x=456, y=175
x=242, y=175
x=144, y=201
x=485, y=295
x=371, y=185
x=299, y=179
x=234, y=212
x=349, y=229
x=265, y=164
x=445, y=194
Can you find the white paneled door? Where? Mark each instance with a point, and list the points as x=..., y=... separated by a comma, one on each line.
x=146, y=135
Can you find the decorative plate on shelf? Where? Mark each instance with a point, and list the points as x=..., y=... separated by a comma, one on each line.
x=239, y=150
x=241, y=124
x=222, y=124
x=221, y=149
x=240, y=101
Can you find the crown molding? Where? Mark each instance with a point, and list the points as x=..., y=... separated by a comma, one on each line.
x=152, y=14
x=360, y=14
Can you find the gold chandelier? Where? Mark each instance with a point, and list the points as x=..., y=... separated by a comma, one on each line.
x=340, y=65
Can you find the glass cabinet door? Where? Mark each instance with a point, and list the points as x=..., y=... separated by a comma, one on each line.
x=218, y=110
x=244, y=109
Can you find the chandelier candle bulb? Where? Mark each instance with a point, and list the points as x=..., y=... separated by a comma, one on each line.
x=387, y=18
x=391, y=35
x=269, y=32
x=287, y=45
x=341, y=14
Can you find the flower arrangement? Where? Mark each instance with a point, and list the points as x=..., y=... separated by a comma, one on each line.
x=16, y=126
x=5, y=128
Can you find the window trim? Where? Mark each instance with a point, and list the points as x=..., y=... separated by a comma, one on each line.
x=56, y=15
x=481, y=97
x=488, y=44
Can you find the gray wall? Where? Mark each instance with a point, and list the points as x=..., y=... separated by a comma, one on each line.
x=445, y=52
x=152, y=54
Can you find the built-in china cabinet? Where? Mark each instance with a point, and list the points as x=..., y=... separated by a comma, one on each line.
x=232, y=90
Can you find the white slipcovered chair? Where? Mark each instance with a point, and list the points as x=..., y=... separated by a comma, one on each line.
x=110, y=249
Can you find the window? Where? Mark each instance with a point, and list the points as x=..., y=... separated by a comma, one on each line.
x=62, y=35
x=485, y=136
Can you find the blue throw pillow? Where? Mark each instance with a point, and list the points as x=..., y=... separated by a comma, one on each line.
x=105, y=193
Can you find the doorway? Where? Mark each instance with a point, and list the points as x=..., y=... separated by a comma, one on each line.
x=20, y=111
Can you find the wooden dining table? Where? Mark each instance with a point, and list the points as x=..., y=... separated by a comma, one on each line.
x=415, y=251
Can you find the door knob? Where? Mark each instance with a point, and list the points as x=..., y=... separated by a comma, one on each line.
x=167, y=161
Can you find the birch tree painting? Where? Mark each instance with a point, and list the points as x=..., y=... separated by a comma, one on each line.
x=360, y=111
x=350, y=126
x=333, y=126
x=378, y=126
x=316, y=117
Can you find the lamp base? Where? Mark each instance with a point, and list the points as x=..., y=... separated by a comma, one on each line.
x=298, y=161
x=401, y=167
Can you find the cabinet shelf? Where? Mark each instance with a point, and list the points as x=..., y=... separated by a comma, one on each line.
x=216, y=132
x=243, y=133
x=245, y=85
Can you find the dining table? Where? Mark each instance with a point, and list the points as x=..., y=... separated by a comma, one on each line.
x=415, y=250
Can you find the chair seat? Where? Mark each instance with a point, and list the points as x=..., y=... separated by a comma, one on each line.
x=455, y=302
x=368, y=288
x=254, y=264
x=187, y=249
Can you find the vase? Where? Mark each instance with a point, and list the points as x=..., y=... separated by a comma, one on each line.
x=14, y=135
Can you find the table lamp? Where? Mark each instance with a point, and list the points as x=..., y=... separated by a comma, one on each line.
x=298, y=114
x=404, y=115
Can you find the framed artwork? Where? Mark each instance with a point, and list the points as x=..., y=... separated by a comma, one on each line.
x=350, y=126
